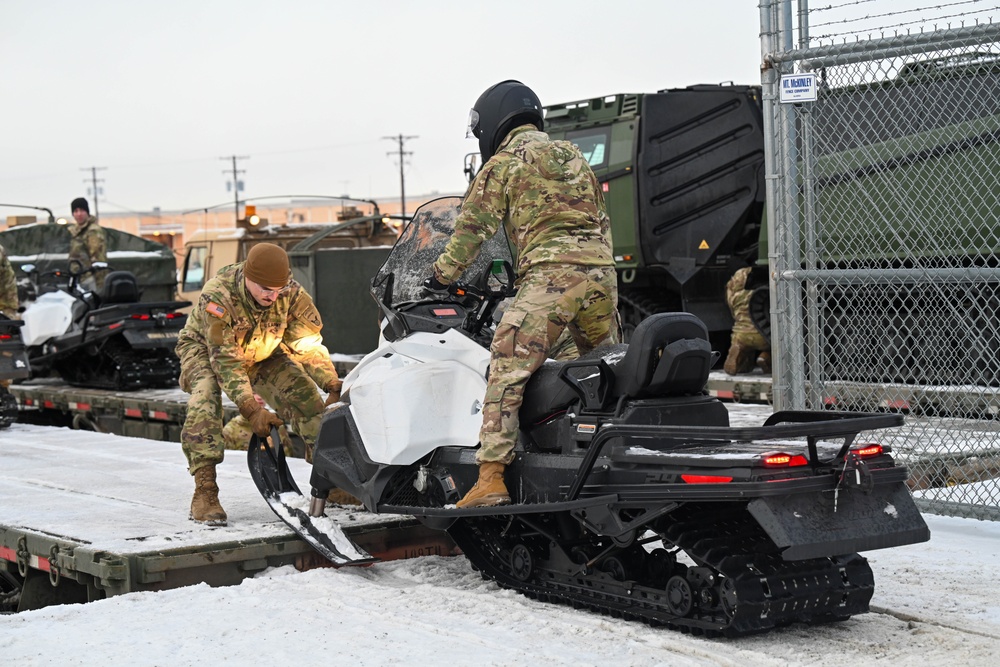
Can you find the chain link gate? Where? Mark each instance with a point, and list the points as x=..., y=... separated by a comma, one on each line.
x=883, y=201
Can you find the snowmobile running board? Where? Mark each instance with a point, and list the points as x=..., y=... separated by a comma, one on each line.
x=500, y=510
x=266, y=460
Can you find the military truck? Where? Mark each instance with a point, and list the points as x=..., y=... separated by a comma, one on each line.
x=46, y=246
x=683, y=177
x=334, y=262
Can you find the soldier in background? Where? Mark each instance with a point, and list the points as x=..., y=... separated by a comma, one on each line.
x=547, y=199
x=88, y=244
x=8, y=294
x=8, y=287
x=747, y=347
x=253, y=331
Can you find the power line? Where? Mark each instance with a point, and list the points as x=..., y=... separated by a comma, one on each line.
x=237, y=183
x=96, y=191
x=402, y=158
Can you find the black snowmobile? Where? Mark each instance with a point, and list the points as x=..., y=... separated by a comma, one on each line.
x=106, y=340
x=631, y=493
x=13, y=366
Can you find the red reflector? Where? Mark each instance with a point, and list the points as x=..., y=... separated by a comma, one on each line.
x=867, y=450
x=783, y=460
x=115, y=325
x=140, y=317
x=5, y=336
x=133, y=412
x=706, y=479
x=171, y=316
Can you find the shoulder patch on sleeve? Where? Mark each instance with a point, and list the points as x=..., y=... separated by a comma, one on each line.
x=215, y=309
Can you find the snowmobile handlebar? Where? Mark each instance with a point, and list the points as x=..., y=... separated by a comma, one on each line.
x=32, y=271
x=488, y=298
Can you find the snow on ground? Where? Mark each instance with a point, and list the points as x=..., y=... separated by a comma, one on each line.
x=934, y=603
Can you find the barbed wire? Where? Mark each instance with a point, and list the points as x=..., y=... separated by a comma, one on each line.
x=900, y=13
x=846, y=4
x=935, y=21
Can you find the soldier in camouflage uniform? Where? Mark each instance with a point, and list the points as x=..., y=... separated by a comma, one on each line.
x=254, y=330
x=746, y=342
x=87, y=244
x=549, y=202
x=8, y=287
x=8, y=294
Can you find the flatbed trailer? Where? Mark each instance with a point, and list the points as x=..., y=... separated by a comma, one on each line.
x=156, y=414
x=85, y=516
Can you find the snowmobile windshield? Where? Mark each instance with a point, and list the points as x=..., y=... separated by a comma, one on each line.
x=422, y=240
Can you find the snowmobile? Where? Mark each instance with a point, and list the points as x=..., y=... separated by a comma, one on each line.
x=631, y=494
x=13, y=366
x=105, y=340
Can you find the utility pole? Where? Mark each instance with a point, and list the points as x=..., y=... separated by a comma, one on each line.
x=402, y=156
x=93, y=189
x=236, y=183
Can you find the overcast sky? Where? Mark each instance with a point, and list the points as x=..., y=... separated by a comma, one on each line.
x=158, y=92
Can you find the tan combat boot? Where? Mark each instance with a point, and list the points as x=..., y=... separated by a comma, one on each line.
x=341, y=497
x=205, y=507
x=740, y=359
x=764, y=361
x=489, y=489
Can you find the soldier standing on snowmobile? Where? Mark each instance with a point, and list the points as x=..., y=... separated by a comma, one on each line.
x=253, y=330
x=547, y=199
x=747, y=346
x=88, y=243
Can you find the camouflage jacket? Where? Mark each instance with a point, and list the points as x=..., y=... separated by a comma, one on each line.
x=237, y=333
x=547, y=198
x=738, y=298
x=8, y=286
x=88, y=244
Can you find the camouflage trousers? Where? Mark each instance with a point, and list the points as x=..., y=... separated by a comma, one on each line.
x=279, y=380
x=581, y=301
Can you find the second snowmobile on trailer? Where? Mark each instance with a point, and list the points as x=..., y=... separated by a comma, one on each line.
x=631, y=493
x=107, y=340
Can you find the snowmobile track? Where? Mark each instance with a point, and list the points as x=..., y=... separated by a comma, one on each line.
x=741, y=585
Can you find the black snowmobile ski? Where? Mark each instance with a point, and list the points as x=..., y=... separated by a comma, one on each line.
x=269, y=470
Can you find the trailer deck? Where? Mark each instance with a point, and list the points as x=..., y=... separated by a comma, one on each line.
x=87, y=515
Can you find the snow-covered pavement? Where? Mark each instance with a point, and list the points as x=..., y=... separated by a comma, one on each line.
x=934, y=603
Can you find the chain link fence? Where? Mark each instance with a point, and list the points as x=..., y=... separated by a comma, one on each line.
x=882, y=126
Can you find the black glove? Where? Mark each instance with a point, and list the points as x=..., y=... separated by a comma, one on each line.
x=434, y=287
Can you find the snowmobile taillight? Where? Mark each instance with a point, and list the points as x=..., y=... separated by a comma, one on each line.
x=706, y=479
x=782, y=460
x=868, y=450
x=5, y=336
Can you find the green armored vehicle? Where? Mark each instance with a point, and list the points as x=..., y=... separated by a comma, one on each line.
x=683, y=178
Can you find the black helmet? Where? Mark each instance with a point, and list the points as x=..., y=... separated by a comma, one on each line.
x=499, y=110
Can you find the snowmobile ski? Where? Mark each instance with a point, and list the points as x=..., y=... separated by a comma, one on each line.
x=269, y=470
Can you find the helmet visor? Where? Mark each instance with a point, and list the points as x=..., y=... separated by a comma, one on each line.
x=473, y=130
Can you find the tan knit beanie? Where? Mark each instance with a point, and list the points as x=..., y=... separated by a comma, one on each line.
x=267, y=265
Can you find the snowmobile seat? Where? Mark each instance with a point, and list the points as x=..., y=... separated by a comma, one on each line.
x=119, y=287
x=547, y=393
x=669, y=355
